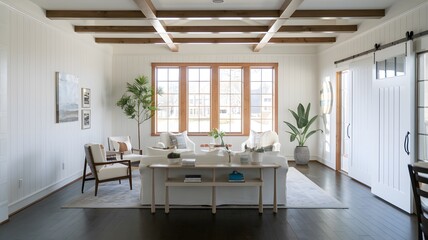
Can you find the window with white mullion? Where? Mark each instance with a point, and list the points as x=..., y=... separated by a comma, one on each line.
x=262, y=97
x=230, y=104
x=199, y=99
x=167, y=79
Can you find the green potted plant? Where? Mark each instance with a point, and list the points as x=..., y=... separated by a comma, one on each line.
x=173, y=157
x=215, y=133
x=138, y=102
x=301, y=132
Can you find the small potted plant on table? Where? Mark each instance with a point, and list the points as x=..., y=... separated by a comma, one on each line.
x=173, y=158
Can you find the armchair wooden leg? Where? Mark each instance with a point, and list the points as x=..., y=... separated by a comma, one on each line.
x=120, y=182
x=130, y=176
x=84, y=176
x=96, y=188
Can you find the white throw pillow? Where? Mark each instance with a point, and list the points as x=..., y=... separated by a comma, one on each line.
x=254, y=139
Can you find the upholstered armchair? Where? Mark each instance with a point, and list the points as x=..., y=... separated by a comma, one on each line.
x=122, y=146
x=168, y=142
x=103, y=170
x=265, y=139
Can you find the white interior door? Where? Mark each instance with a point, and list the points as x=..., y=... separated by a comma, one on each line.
x=394, y=113
x=360, y=129
x=346, y=120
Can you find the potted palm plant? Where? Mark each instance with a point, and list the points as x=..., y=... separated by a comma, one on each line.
x=301, y=132
x=138, y=102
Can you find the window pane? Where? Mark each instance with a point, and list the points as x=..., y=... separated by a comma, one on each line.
x=390, y=67
x=230, y=99
x=400, y=65
x=162, y=74
x=199, y=99
x=167, y=79
x=380, y=66
x=262, y=99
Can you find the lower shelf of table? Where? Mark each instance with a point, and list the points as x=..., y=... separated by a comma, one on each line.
x=181, y=183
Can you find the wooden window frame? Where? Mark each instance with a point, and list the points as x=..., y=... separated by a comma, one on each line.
x=215, y=120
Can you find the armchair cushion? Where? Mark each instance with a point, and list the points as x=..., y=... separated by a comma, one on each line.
x=112, y=171
x=98, y=155
x=124, y=146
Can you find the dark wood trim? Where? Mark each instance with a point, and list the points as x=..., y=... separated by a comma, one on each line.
x=153, y=121
x=130, y=40
x=66, y=14
x=319, y=28
x=304, y=40
x=218, y=14
x=339, y=13
x=247, y=101
x=216, y=29
x=216, y=40
x=215, y=96
x=182, y=121
x=338, y=121
x=93, y=14
x=115, y=29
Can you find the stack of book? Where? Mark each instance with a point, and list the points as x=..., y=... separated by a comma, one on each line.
x=192, y=178
x=188, y=162
x=236, y=176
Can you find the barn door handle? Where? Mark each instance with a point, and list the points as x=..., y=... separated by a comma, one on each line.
x=347, y=130
x=406, y=143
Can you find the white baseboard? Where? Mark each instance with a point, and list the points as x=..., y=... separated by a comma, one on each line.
x=25, y=201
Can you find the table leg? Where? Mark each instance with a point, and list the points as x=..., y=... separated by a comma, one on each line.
x=166, y=193
x=153, y=208
x=275, y=204
x=213, y=195
x=261, y=192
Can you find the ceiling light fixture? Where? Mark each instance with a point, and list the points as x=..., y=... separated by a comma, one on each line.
x=218, y=1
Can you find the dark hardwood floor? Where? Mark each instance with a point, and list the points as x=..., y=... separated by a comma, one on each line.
x=368, y=217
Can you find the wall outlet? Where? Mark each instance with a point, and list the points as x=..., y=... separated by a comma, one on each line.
x=20, y=183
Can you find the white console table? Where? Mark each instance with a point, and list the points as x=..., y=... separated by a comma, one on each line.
x=213, y=181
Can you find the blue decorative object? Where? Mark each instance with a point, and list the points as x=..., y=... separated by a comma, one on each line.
x=236, y=176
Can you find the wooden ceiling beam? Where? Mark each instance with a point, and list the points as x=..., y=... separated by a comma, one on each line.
x=219, y=14
x=287, y=9
x=147, y=8
x=217, y=29
x=68, y=14
x=215, y=40
x=358, y=13
x=115, y=29
x=304, y=40
x=319, y=28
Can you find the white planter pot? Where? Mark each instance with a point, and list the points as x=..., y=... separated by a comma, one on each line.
x=257, y=157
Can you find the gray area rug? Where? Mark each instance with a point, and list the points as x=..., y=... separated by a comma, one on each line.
x=301, y=193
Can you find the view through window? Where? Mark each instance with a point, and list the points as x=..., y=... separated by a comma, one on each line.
x=235, y=98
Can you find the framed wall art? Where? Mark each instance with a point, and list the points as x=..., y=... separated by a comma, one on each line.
x=67, y=97
x=86, y=98
x=86, y=118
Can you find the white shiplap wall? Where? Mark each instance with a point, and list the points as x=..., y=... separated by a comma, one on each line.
x=415, y=20
x=39, y=147
x=297, y=82
x=4, y=128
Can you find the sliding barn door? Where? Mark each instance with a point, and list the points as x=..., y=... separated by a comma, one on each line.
x=360, y=129
x=393, y=91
